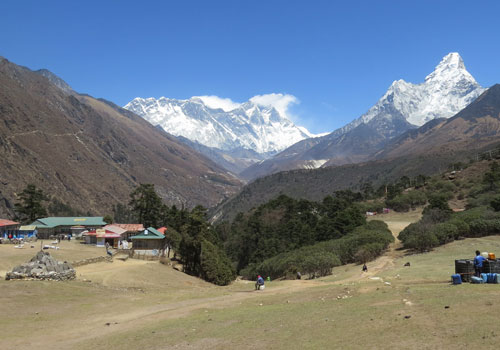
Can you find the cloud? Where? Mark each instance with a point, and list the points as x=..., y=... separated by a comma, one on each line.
x=215, y=102
x=279, y=101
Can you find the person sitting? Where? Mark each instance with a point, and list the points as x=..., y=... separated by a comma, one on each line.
x=478, y=264
x=365, y=268
x=259, y=283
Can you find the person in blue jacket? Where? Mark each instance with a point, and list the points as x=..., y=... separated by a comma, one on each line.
x=478, y=263
x=260, y=282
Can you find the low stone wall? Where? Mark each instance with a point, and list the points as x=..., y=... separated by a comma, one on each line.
x=92, y=261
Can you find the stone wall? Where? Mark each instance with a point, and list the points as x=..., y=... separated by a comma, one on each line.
x=92, y=261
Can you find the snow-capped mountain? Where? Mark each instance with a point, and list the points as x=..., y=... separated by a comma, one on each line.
x=221, y=123
x=445, y=92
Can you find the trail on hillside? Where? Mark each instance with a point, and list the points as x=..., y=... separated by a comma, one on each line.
x=396, y=224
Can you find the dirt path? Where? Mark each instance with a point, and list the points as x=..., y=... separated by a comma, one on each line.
x=144, y=316
x=396, y=223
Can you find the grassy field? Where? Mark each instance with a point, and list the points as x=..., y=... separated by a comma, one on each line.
x=145, y=305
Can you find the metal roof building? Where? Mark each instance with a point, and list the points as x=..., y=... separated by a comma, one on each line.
x=150, y=242
x=62, y=225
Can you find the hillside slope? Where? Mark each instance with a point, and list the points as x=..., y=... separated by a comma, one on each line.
x=315, y=184
x=89, y=153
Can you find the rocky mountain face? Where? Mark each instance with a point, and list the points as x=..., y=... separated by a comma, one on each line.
x=473, y=128
x=405, y=106
x=89, y=153
x=261, y=130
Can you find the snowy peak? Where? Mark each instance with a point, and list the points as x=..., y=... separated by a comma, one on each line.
x=451, y=68
x=451, y=63
x=446, y=91
x=260, y=124
x=453, y=60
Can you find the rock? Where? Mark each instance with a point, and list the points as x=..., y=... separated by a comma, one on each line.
x=42, y=266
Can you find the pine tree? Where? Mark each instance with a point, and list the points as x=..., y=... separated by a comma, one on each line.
x=30, y=207
x=147, y=205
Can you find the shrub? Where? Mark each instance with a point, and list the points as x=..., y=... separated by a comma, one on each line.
x=495, y=203
x=463, y=228
x=312, y=260
x=365, y=242
x=215, y=266
x=374, y=206
x=438, y=201
x=435, y=215
x=405, y=202
x=368, y=252
x=445, y=232
x=423, y=241
x=419, y=236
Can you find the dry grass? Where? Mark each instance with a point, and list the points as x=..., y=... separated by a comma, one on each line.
x=151, y=306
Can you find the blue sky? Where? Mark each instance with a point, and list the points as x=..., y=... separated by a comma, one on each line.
x=337, y=58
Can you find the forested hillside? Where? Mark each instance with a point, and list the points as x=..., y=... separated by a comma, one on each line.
x=283, y=236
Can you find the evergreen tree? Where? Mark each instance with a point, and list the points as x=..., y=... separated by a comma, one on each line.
x=491, y=179
x=147, y=205
x=122, y=214
x=368, y=190
x=108, y=219
x=30, y=207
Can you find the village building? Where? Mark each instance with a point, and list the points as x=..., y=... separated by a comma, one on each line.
x=101, y=236
x=27, y=231
x=130, y=230
x=150, y=242
x=9, y=228
x=54, y=226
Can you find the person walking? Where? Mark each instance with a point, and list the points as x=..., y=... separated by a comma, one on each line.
x=107, y=249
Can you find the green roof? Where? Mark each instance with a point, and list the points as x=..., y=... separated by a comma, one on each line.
x=150, y=233
x=69, y=221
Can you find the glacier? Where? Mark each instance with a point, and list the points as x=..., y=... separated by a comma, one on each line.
x=219, y=123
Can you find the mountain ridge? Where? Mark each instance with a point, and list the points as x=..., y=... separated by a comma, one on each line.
x=90, y=154
x=404, y=106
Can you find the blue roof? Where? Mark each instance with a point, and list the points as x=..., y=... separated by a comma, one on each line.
x=69, y=221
